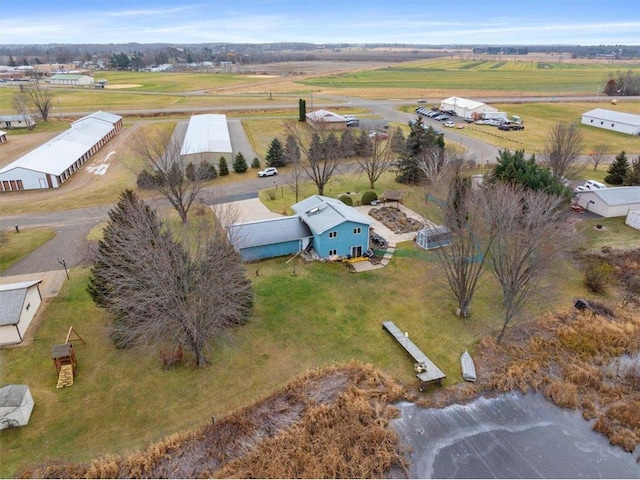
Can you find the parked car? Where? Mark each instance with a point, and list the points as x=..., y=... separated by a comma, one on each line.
x=504, y=126
x=580, y=188
x=268, y=172
x=353, y=123
x=449, y=124
x=517, y=126
x=442, y=118
x=593, y=185
x=422, y=100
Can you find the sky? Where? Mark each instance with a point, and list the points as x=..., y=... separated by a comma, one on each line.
x=432, y=22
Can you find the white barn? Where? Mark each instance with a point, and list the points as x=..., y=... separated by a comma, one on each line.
x=465, y=107
x=71, y=79
x=52, y=163
x=16, y=121
x=16, y=405
x=610, y=202
x=621, y=122
x=3, y=136
x=207, y=137
x=19, y=303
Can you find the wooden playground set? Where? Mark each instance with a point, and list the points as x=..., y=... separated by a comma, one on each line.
x=64, y=359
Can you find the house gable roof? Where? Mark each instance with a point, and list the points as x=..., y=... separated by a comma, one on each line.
x=268, y=232
x=323, y=213
x=325, y=116
x=12, y=298
x=463, y=103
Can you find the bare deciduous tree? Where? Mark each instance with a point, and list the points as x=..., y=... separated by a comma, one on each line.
x=562, y=150
x=464, y=259
x=161, y=153
x=382, y=158
x=439, y=165
x=527, y=239
x=161, y=290
x=292, y=155
x=40, y=98
x=321, y=154
x=597, y=154
x=20, y=104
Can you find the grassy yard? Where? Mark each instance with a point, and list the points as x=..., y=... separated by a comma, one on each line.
x=122, y=400
x=22, y=244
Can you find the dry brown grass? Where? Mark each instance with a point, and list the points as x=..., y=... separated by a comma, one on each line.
x=326, y=424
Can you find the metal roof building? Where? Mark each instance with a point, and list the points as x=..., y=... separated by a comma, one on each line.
x=465, y=107
x=610, y=202
x=326, y=119
x=16, y=405
x=270, y=238
x=207, y=135
x=612, y=120
x=52, y=163
x=70, y=79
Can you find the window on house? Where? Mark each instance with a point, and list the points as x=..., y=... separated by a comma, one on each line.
x=28, y=305
x=333, y=252
x=357, y=230
x=333, y=234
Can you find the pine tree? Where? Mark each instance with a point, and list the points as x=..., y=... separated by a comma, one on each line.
x=633, y=174
x=240, y=163
x=275, y=154
x=348, y=144
x=206, y=171
x=190, y=171
x=255, y=163
x=618, y=169
x=223, y=168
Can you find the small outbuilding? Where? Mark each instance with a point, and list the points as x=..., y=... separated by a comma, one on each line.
x=16, y=405
x=633, y=219
x=19, y=303
x=3, y=136
x=433, y=237
x=463, y=107
x=615, y=121
x=16, y=121
x=610, y=202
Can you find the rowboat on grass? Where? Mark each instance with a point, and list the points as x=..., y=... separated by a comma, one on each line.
x=468, y=367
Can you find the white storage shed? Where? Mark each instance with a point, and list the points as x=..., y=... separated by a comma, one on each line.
x=633, y=219
x=19, y=303
x=621, y=122
x=610, y=202
x=16, y=405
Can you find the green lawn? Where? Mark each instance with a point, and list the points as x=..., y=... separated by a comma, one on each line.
x=22, y=244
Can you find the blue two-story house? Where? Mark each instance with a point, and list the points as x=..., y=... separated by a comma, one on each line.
x=327, y=225
x=337, y=229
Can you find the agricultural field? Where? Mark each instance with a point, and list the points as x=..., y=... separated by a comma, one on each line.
x=439, y=77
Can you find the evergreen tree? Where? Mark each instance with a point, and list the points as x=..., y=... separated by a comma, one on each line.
x=223, y=168
x=419, y=141
x=190, y=171
x=255, y=163
x=618, y=169
x=347, y=144
x=515, y=169
x=363, y=145
x=291, y=150
x=275, y=154
x=240, y=163
x=302, y=110
x=633, y=174
x=206, y=170
x=397, y=141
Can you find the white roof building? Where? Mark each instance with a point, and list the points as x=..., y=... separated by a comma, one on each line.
x=16, y=405
x=628, y=123
x=326, y=119
x=207, y=135
x=610, y=202
x=52, y=163
x=19, y=303
x=465, y=107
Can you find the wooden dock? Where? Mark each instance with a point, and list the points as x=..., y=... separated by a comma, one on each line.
x=426, y=371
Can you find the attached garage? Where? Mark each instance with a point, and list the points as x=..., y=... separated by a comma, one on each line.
x=610, y=202
x=16, y=405
x=19, y=303
x=270, y=238
x=611, y=120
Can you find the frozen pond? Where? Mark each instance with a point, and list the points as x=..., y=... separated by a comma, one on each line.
x=510, y=436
